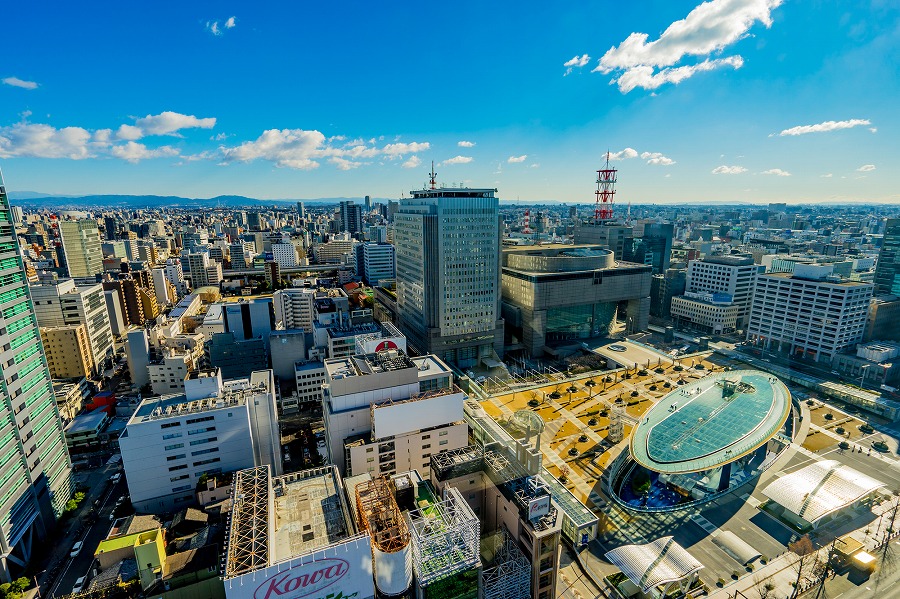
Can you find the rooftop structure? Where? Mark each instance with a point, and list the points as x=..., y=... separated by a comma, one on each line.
x=294, y=533
x=711, y=422
x=821, y=489
x=662, y=562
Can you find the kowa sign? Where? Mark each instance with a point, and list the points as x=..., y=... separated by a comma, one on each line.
x=339, y=572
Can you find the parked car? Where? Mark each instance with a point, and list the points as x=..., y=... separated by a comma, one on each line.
x=117, y=477
x=80, y=584
x=76, y=548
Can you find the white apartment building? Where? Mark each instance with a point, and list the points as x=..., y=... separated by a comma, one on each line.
x=810, y=313
x=242, y=254
x=175, y=275
x=734, y=275
x=707, y=312
x=295, y=307
x=334, y=250
x=285, y=254
x=169, y=370
x=62, y=302
x=164, y=290
x=213, y=427
x=386, y=412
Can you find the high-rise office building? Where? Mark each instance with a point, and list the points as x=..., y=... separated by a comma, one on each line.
x=351, y=217
x=35, y=470
x=81, y=247
x=375, y=262
x=447, y=244
x=887, y=270
x=734, y=275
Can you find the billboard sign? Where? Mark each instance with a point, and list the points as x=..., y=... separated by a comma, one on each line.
x=538, y=507
x=343, y=570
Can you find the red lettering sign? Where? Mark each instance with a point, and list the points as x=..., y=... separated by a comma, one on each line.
x=386, y=345
x=304, y=580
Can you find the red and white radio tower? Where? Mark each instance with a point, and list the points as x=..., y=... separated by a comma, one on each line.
x=606, y=191
x=527, y=228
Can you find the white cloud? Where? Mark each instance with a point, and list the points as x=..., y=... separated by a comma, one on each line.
x=708, y=29
x=576, y=62
x=827, y=176
x=169, y=123
x=129, y=132
x=534, y=165
x=302, y=149
x=288, y=148
x=231, y=22
x=413, y=162
x=644, y=77
x=728, y=170
x=825, y=127
x=44, y=141
x=16, y=82
x=622, y=155
x=344, y=164
x=466, y=144
x=213, y=27
x=458, y=160
x=514, y=159
x=866, y=168
x=873, y=129
x=776, y=171
x=398, y=149
x=657, y=158
x=134, y=152
x=218, y=137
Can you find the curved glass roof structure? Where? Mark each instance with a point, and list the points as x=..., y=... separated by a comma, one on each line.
x=711, y=422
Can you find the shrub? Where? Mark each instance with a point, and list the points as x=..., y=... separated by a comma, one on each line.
x=592, y=422
x=573, y=451
x=533, y=403
x=678, y=368
x=667, y=384
x=652, y=387
x=699, y=366
x=721, y=582
x=829, y=416
x=839, y=430
x=582, y=438
x=634, y=394
x=659, y=370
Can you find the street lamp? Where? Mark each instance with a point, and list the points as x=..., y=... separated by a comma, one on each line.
x=862, y=375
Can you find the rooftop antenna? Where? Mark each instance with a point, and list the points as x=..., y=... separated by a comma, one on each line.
x=606, y=190
x=432, y=176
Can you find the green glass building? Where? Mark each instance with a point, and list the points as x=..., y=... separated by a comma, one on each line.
x=35, y=471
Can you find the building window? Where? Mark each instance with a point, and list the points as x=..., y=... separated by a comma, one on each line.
x=169, y=424
x=181, y=467
x=442, y=443
x=175, y=457
x=176, y=446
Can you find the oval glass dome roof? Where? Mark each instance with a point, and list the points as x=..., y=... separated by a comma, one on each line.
x=711, y=422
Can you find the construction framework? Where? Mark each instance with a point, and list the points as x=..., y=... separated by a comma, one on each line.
x=445, y=539
x=507, y=573
x=248, y=528
x=379, y=513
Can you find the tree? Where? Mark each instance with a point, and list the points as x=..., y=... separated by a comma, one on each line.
x=804, y=548
x=765, y=588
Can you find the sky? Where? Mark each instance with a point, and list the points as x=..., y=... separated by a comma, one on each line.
x=720, y=101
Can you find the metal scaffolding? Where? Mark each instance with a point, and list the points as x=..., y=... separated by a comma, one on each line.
x=379, y=513
x=507, y=572
x=444, y=538
x=248, y=528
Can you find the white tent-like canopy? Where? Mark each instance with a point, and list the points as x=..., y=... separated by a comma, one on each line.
x=660, y=562
x=820, y=489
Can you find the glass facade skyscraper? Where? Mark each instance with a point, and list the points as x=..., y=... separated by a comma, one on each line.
x=35, y=471
x=448, y=273
x=887, y=271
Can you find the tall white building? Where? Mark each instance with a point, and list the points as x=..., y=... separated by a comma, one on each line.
x=809, y=314
x=175, y=275
x=448, y=273
x=387, y=413
x=214, y=427
x=295, y=307
x=285, y=254
x=81, y=246
x=732, y=275
x=61, y=302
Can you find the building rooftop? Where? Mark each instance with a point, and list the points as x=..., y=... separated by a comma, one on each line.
x=86, y=422
x=820, y=488
x=375, y=363
x=308, y=512
x=659, y=562
x=711, y=422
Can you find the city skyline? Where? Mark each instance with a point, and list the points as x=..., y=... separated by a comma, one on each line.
x=727, y=101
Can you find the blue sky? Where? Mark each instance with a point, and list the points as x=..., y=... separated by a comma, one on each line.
x=728, y=100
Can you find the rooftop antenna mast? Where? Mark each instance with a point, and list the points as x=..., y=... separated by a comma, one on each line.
x=432, y=176
x=606, y=191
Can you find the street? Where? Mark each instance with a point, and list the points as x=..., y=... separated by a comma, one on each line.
x=73, y=568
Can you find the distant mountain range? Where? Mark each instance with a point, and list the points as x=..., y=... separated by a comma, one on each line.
x=34, y=199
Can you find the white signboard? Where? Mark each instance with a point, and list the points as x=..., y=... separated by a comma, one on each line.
x=401, y=418
x=339, y=572
x=538, y=507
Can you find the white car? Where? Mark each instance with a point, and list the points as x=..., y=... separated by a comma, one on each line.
x=116, y=477
x=76, y=548
x=79, y=584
